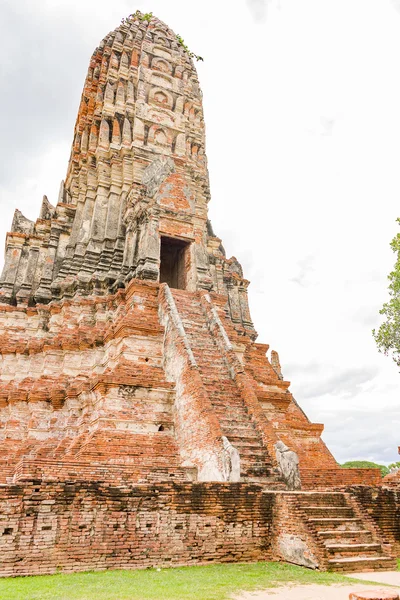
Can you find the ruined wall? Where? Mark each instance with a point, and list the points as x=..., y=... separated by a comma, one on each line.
x=382, y=506
x=65, y=526
x=336, y=478
x=70, y=526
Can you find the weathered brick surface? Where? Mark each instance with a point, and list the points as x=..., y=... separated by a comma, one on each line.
x=382, y=506
x=106, y=375
x=46, y=527
x=339, y=478
x=343, y=537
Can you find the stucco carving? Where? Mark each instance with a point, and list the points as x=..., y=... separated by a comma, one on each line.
x=156, y=173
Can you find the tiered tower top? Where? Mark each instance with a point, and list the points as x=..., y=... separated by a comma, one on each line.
x=134, y=202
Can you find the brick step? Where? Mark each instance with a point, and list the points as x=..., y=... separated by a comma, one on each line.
x=228, y=402
x=191, y=306
x=237, y=428
x=220, y=374
x=248, y=461
x=338, y=535
x=233, y=416
x=223, y=391
x=329, y=511
x=226, y=399
x=219, y=390
x=193, y=328
x=238, y=415
x=343, y=550
x=246, y=439
x=255, y=470
x=238, y=439
x=213, y=362
x=359, y=564
x=221, y=402
x=255, y=467
x=200, y=336
x=204, y=348
x=251, y=462
x=187, y=296
x=343, y=524
x=267, y=480
x=183, y=296
x=235, y=435
x=244, y=448
x=250, y=439
x=237, y=424
x=221, y=377
x=198, y=331
x=251, y=452
x=323, y=499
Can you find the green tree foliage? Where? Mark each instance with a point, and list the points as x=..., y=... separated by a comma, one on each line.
x=388, y=335
x=147, y=17
x=138, y=15
x=365, y=464
x=181, y=42
x=394, y=467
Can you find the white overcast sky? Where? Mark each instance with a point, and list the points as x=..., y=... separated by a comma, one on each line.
x=302, y=106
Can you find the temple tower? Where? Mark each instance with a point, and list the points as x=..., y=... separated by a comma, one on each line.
x=134, y=201
x=141, y=424
x=126, y=333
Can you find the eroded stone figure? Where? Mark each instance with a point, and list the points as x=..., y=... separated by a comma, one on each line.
x=231, y=461
x=275, y=363
x=288, y=462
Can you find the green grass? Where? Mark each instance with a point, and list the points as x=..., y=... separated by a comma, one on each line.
x=212, y=582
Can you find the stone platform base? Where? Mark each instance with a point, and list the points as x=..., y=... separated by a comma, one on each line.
x=48, y=527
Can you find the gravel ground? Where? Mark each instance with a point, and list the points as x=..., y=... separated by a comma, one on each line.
x=311, y=592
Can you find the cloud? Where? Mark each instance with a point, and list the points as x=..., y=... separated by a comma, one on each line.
x=396, y=4
x=348, y=383
x=36, y=85
x=362, y=435
x=295, y=370
x=258, y=9
x=305, y=269
x=324, y=126
x=368, y=316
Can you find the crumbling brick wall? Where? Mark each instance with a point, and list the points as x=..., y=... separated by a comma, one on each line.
x=49, y=527
x=383, y=506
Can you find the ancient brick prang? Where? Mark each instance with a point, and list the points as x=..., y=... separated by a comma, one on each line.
x=137, y=174
x=128, y=355
x=148, y=379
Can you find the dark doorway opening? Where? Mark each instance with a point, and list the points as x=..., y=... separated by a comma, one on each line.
x=174, y=262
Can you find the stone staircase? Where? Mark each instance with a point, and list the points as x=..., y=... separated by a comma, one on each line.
x=224, y=394
x=346, y=539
